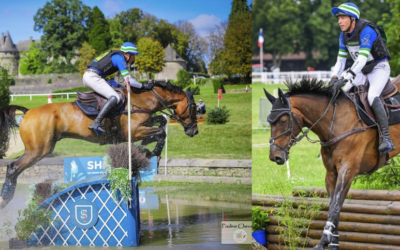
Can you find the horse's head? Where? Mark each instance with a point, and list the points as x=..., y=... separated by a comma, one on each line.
x=185, y=112
x=284, y=127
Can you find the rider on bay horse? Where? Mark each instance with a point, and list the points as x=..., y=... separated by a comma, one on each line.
x=106, y=66
x=362, y=39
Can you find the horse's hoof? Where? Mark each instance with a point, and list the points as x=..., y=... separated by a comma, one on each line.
x=3, y=203
x=318, y=247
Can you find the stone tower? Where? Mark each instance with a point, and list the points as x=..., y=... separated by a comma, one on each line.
x=9, y=54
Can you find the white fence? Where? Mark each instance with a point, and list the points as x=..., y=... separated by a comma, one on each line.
x=280, y=77
x=52, y=94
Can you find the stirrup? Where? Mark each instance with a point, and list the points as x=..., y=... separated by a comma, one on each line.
x=390, y=146
x=96, y=129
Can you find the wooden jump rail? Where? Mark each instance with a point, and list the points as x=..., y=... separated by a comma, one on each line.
x=370, y=219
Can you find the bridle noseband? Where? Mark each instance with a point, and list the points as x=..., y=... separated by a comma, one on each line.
x=191, y=105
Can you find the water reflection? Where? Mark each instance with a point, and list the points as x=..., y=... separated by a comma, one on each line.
x=177, y=220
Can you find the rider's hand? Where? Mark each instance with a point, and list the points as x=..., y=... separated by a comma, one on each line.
x=339, y=84
x=147, y=86
x=333, y=80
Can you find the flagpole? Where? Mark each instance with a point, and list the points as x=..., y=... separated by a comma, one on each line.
x=261, y=54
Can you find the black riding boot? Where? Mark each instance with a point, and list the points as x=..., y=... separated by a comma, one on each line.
x=385, y=143
x=96, y=125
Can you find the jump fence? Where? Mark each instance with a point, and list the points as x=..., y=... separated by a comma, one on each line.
x=369, y=219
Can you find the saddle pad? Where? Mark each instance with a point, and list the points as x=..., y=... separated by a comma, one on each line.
x=394, y=113
x=89, y=108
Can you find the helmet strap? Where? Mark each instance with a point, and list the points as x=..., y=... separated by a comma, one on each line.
x=351, y=22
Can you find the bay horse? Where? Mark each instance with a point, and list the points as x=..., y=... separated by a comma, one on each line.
x=346, y=148
x=42, y=127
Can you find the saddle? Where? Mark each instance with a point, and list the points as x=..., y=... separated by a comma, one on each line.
x=90, y=102
x=390, y=97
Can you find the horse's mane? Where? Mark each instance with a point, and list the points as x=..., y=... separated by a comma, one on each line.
x=308, y=86
x=167, y=86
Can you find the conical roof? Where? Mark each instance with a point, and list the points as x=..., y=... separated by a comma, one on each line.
x=171, y=54
x=8, y=44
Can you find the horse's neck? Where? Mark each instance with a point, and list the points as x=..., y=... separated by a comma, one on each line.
x=148, y=101
x=311, y=108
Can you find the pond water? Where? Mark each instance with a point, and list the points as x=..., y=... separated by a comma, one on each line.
x=172, y=217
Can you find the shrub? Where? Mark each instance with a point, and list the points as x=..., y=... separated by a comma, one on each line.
x=218, y=115
x=49, y=81
x=192, y=87
x=183, y=78
x=259, y=219
x=200, y=81
x=5, y=82
x=218, y=84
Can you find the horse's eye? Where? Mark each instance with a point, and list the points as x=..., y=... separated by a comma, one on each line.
x=283, y=121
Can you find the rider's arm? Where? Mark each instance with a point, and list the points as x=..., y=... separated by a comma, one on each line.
x=119, y=62
x=367, y=38
x=341, y=58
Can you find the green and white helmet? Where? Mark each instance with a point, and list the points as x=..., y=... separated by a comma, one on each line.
x=346, y=9
x=129, y=48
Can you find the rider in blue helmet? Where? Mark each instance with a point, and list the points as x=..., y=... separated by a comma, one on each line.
x=107, y=66
x=363, y=41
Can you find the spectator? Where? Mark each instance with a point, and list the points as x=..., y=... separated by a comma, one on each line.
x=201, y=108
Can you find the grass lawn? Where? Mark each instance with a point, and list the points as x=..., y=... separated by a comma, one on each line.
x=229, y=141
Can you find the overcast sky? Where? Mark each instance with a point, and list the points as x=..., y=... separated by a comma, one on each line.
x=17, y=16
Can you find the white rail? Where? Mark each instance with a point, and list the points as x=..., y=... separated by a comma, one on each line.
x=52, y=94
x=279, y=77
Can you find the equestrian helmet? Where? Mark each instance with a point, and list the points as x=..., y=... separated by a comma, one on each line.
x=346, y=9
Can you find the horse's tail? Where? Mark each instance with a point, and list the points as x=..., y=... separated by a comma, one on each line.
x=7, y=122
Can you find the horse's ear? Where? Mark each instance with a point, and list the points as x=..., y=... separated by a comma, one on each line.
x=282, y=97
x=194, y=91
x=270, y=97
x=188, y=90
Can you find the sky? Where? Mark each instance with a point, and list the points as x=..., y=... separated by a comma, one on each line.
x=17, y=16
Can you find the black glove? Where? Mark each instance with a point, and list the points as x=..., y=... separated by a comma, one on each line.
x=333, y=81
x=338, y=84
x=147, y=86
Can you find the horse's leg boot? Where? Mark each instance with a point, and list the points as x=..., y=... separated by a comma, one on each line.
x=96, y=125
x=385, y=143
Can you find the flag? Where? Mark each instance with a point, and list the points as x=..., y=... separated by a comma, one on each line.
x=260, y=39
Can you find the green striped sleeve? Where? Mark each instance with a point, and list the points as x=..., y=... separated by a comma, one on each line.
x=124, y=73
x=363, y=54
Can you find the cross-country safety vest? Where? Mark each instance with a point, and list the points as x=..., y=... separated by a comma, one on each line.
x=378, y=50
x=104, y=63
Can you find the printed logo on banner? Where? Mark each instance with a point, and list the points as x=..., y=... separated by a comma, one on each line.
x=84, y=214
x=236, y=232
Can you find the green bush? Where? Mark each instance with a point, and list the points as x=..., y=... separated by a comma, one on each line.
x=49, y=81
x=82, y=89
x=191, y=74
x=199, y=81
x=218, y=84
x=192, y=87
x=183, y=78
x=259, y=219
x=5, y=82
x=218, y=115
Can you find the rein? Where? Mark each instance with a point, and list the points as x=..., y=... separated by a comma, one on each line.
x=171, y=114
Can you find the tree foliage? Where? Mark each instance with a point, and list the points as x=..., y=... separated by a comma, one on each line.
x=129, y=19
x=5, y=82
x=99, y=34
x=63, y=23
x=151, y=58
x=86, y=55
x=183, y=78
x=237, y=54
x=31, y=62
x=391, y=25
x=238, y=7
x=117, y=38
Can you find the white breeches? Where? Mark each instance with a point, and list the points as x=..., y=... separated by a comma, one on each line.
x=94, y=82
x=377, y=80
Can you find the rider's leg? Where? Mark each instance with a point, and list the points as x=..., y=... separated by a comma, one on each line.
x=100, y=86
x=378, y=79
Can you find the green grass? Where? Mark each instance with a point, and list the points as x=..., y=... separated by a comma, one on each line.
x=229, y=141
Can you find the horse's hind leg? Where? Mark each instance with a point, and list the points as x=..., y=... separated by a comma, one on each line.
x=14, y=169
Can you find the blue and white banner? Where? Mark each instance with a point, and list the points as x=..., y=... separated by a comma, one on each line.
x=79, y=168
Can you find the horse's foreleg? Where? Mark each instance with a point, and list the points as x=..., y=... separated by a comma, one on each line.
x=159, y=133
x=330, y=235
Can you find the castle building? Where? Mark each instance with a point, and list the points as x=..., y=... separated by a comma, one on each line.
x=10, y=53
x=172, y=63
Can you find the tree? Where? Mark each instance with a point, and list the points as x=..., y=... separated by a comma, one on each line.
x=238, y=7
x=5, y=82
x=183, y=78
x=151, y=58
x=86, y=55
x=99, y=33
x=129, y=19
x=31, y=62
x=391, y=25
x=116, y=33
x=237, y=53
x=63, y=23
